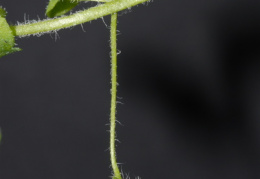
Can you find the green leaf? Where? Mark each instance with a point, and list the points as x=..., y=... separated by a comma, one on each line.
x=60, y=7
x=2, y=12
x=6, y=36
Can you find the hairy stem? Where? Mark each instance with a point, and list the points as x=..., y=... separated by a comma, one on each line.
x=74, y=19
x=117, y=174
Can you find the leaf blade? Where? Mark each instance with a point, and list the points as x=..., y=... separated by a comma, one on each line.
x=59, y=7
x=6, y=36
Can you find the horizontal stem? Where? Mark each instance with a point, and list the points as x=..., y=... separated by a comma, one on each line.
x=74, y=19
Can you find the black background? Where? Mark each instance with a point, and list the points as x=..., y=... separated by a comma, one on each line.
x=189, y=81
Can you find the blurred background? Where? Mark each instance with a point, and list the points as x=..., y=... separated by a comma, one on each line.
x=189, y=93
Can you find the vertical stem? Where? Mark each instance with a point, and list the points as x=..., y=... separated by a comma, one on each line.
x=117, y=174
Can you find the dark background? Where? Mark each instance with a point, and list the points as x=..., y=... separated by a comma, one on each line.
x=189, y=76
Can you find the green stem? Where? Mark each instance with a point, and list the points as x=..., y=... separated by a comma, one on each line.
x=117, y=174
x=74, y=19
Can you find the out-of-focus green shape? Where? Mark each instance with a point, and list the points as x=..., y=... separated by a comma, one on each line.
x=2, y=12
x=60, y=7
x=6, y=36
